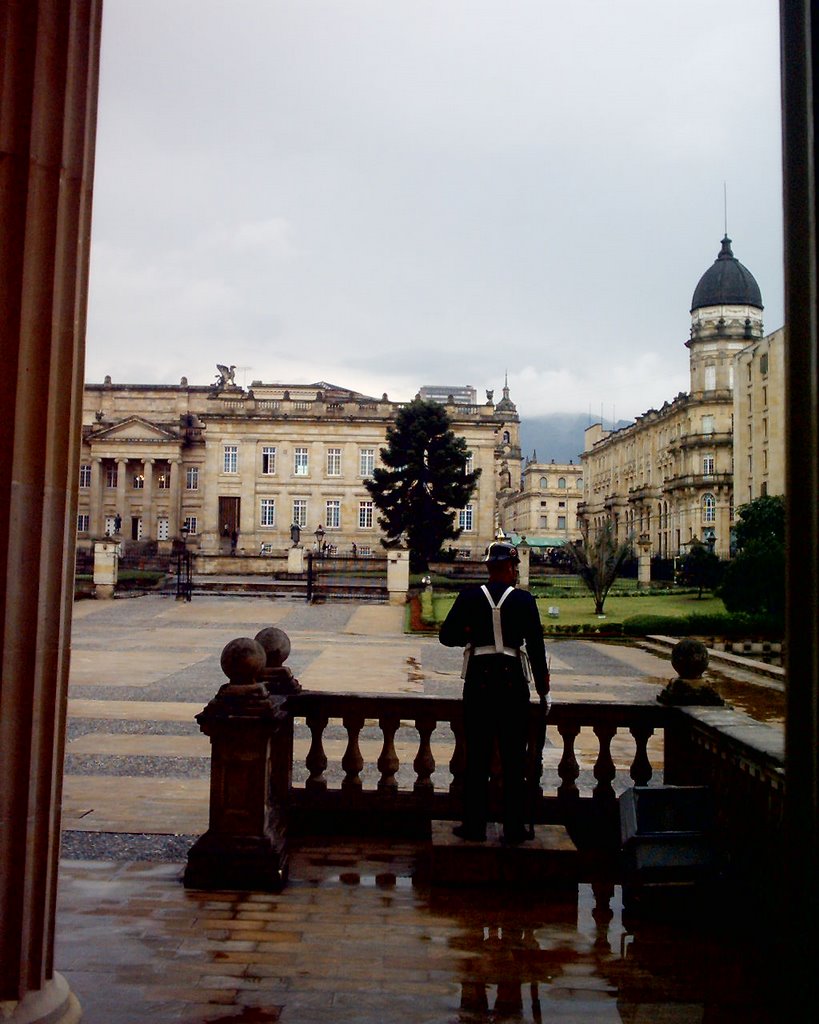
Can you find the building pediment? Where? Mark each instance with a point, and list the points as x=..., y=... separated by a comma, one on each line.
x=134, y=429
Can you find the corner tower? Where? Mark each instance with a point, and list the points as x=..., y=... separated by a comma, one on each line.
x=726, y=315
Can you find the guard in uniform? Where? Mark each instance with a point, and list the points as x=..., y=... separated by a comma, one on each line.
x=500, y=629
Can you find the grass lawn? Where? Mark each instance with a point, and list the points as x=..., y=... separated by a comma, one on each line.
x=578, y=611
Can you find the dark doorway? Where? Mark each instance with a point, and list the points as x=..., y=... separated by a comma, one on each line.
x=228, y=516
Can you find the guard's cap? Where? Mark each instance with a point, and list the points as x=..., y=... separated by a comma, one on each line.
x=500, y=551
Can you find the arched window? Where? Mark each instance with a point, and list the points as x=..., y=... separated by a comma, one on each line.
x=544, y=483
x=506, y=437
x=561, y=482
x=709, y=508
x=580, y=483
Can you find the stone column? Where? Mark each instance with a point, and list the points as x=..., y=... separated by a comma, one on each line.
x=48, y=89
x=174, y=506
x=95, y=498
x=122, y=480
x=148, y=499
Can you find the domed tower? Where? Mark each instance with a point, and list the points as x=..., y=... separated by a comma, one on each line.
x=726, y=315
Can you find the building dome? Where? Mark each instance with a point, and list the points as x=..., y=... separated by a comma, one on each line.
x=726, y=283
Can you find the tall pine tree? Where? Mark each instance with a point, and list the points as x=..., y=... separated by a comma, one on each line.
x=423, y=480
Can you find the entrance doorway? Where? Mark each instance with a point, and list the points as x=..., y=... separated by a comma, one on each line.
x=228, y=516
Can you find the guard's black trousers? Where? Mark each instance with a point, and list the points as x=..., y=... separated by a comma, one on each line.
x=496, y=707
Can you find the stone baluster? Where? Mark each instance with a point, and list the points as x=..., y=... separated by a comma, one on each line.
x=568, y=769
x=424, y=763
x=641, y=770
x=604, y=770
x=457, y=763
x=352, y=762
x=316, y=760
x=388, y=762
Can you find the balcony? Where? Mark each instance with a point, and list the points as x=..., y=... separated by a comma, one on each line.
x=699, y=481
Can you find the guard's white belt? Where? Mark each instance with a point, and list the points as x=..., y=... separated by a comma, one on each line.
x=513, y=652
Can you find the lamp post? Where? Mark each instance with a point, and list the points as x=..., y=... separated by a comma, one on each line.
x=319, y=535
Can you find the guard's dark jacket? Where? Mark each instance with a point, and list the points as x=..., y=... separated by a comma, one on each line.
x=470, y=622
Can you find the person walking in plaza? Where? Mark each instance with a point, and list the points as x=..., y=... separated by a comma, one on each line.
x=499, y=627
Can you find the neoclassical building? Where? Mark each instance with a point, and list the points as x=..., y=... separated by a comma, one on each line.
x=226, y=465
x=759, y=419
x=670, y=474
x=545, y=509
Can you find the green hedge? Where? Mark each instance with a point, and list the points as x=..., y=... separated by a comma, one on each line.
x=737, y=626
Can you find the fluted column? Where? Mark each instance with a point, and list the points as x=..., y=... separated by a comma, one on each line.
x=147, y=499
x=122, y=482
x=95, y=498
x=50, y=61
x=173, y=508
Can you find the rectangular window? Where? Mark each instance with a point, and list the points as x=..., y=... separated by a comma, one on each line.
x=708, y=424
x=544, y=522
x=190, y=525
x=366, y=461
x=708, y=464
x=300, y=463
x=365, y=515
x=333, y=462
x=561, y=504
x=465, y=517
x=561, y=522
x=267, y=512
x=139, y=481
x=192, y=478
x=163, y=482
x=83, y=522
x=332, y=517
x=231, y=462
x=470, y=463
x=268, y=460
x=85, y=476
x=162, y=528
x=300, y=511
x=111, y=474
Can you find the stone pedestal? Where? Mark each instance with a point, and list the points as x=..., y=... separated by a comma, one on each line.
x=295, y=560
x=244, y=847
x=644, y=561
x=398, y=575
x=106, y=567
x=524, y=551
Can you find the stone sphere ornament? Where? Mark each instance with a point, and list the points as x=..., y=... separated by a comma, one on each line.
x=276, y=644
x=689, y=658
x=242, y=660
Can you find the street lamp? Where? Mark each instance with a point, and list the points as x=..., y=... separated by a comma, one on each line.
x=319, y=535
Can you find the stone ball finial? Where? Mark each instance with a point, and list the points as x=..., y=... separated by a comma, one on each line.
x=689, y=658
x=242, y=660
x=276, y=644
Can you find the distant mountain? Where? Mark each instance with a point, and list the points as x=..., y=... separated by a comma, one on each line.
x=557, y=436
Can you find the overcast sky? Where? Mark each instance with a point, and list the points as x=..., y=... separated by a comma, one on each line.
x=390, y=193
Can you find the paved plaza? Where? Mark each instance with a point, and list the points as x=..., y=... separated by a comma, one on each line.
x=141, y=668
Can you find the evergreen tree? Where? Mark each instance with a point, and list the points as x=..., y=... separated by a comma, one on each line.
x=754, y=580
x=423, y=480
